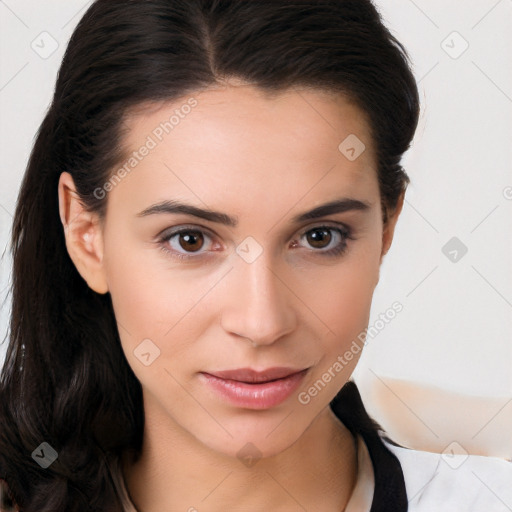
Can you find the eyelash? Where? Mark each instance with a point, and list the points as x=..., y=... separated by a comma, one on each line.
x=337, y=251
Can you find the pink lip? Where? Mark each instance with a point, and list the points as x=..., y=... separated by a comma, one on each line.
x=255, y=390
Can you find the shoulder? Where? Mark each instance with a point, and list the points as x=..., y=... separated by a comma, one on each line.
x=445, y=482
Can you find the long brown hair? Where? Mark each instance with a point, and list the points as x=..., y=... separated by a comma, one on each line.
x=65, y=380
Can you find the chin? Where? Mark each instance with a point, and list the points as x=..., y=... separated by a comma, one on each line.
x=251, y=441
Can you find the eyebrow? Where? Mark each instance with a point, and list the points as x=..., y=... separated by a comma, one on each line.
x=172, y=206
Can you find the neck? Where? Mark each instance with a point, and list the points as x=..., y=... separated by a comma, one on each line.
x=177, y=472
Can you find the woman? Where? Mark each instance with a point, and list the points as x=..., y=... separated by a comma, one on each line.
x=196, y=243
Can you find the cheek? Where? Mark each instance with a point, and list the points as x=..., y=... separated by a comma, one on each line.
x=154, y=299
x=137, y=299
x=343, y=304
x=344, y=307
x=342, y=297
x=150, y=306
x=140, y=291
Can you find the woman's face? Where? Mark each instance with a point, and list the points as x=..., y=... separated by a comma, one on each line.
x=270, y=280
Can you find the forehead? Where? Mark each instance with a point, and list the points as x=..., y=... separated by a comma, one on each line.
x=238, y=138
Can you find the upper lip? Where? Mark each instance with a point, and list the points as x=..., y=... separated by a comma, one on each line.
x=250, y=375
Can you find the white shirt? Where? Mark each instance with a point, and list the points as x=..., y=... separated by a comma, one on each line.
x=457, y=483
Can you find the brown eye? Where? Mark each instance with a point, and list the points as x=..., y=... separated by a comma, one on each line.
x=188, y=243
x=191, y=241
x=326, y=241
x=319, y=238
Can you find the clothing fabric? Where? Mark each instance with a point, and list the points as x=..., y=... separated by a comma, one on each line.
x=455, y=483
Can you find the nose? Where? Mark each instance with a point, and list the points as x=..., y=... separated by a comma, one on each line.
x=258, y=303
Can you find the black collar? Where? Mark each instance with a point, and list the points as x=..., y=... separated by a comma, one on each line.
x=390, y=493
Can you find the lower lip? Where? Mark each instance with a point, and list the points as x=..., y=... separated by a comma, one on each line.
x=255, y=396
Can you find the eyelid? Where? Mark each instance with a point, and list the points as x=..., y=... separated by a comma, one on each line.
x=327, y=224
x=184, y=227
x=164, y=236
x=312, y=225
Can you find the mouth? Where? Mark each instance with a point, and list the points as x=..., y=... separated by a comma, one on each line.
x=250, y=376
x=251, y=389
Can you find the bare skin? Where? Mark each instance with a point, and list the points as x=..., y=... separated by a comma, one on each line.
x=263, y=160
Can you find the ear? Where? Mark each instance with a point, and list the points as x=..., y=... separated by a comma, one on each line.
x=84, y=235
x=389, y=227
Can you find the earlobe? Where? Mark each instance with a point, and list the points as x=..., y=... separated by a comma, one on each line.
x=83, y=234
